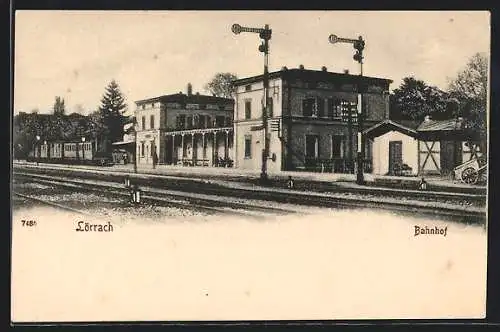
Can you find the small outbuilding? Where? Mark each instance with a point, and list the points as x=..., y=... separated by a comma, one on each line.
x=394, y=147
x=429, y=147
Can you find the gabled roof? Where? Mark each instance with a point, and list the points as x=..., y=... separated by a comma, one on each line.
x=387, y=126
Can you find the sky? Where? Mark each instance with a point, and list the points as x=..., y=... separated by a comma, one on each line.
x=75, y=54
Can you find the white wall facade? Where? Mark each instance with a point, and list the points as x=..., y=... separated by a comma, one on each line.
x=381, y=152
x=242, y=126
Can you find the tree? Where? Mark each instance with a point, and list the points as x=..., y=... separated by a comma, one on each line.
x=415, y=99
x=222, y=85
x=111, y=115
x=59, y=108
x=470, y=90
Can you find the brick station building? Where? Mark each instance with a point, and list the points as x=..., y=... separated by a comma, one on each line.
x=308, y=108
x=185, y=129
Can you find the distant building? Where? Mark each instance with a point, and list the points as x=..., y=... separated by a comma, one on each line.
x=123, y=151
x=314, y=129
x=185, y=129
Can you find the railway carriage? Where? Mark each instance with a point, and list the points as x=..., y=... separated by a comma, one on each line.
x=69, y=152
x=55, y=152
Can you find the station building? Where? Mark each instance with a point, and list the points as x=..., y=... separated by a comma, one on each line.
x=185, y=129
x=314, y=131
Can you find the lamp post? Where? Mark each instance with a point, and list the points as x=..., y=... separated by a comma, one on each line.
x=37, y=149
x=153, y=151
x=83, y=149
x=265, y=35
x=135, y=144
x=359, y=45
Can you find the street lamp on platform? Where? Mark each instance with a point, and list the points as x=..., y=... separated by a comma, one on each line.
x=83, y=149
x=265, y=35
x=37, y=149
x=359, y=45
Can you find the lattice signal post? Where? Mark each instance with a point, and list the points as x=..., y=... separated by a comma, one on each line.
x=359, y=45
x=265, y=35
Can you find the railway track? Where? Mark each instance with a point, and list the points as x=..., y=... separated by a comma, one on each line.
x=51, y=204
x=323, y=187
x=219, y=199
x=169, y=198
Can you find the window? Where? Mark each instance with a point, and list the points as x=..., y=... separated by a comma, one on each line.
x=181, y=122
x=270, y=107
x=152, y=122
x=308, y=107
x=248, y=109
x=153, y=105
x=143, y=107
x=337, y=146
x=143, y=123
x=229, y=121
x=142, y=149
x=320, y=107
x=312, y=146
x=248, y=87
x=248, y=146
x=335, y=108
x=219, y=121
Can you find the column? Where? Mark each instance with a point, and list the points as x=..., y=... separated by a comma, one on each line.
x=182, y=148
x=214, y=149
x=226, y=146
x=173, y=149
x=192, y=149
x=204, y=152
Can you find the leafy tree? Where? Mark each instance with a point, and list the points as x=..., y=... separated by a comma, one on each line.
x=111, y=115
x=470, y=90
x=415, y=99
x=59, y=108
x=222, y=85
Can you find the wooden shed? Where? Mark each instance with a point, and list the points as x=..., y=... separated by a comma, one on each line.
x=445, y=144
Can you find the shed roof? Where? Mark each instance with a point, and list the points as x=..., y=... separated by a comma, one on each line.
x=441, y=125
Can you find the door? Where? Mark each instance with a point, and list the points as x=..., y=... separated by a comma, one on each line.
x=448, y=157
x=311, y=150
x=395, y=157
x=169, y=147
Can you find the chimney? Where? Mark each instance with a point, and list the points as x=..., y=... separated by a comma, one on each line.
x=323, y=68
x=346, y=71
x=301, y=67
x=427, y=118
x=180, y=92
x=284, y=68
x=189, y=89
